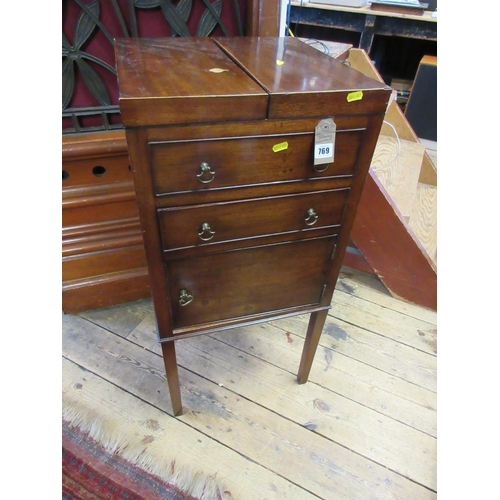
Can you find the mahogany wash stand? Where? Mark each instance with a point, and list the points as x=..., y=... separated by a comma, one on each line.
x=245, y=203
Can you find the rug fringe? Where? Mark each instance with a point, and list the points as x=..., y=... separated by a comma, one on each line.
x=115, y=439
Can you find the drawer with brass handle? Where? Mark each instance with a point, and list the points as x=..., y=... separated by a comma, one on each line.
x=194, y=165
x=295, y=216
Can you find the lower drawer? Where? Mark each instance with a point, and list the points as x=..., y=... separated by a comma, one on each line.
x=249, y=281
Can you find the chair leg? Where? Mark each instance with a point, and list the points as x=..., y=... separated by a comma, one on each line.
x=170, y=361
x=314, y=329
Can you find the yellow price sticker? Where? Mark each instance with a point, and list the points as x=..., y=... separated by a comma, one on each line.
x=280, y=147
x=355, y=96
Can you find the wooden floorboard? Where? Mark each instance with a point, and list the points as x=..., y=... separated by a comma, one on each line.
x=362, y=427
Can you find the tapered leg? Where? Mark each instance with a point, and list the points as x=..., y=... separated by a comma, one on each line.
x=170, y=361
x=314, y=329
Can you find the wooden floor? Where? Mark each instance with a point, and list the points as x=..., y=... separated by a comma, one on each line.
x=363, y=427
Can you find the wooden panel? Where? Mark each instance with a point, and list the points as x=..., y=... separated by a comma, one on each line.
x=263, y=17
x=103, y=262
x=101, y=237
x=95, y=145
x=221, y=109
x=397, y=165
x=284, y=66
x=423, y=219
x=95, y=171
x=95, y=292
x=247, y=129
x=281, y=276
x=205, y=85
x=390, y=247
x=103, y=254
x=102, y=208
x=428, y=173
x=354, y=259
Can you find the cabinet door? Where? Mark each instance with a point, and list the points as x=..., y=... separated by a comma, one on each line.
x=249, y=281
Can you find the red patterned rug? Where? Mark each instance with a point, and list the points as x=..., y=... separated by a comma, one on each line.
x=89, y=472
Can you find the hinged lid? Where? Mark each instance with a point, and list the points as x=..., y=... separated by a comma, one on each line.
x=304, y=82
x=183, y=80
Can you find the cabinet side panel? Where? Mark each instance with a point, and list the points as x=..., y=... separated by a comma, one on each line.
x=139, y=163
x=363, y=165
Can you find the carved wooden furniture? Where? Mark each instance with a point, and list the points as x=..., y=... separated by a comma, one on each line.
x=239, y=223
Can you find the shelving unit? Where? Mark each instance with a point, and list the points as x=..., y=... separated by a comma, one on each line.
x=395, y=42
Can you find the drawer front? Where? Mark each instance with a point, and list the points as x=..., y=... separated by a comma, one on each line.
x=211, y=224
x=248, y=281
x=196, y=165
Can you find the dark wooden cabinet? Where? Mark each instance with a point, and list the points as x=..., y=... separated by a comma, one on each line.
x=239, y=224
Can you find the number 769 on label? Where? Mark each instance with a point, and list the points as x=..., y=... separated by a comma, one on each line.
x=323, y=151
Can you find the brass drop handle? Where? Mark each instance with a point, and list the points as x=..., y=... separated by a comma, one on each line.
x=206, y=233
x=185, y=298
x=319, y=168
x=311, y=217
x=206, y=175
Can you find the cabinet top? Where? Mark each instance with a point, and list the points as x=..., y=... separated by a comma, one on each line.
x=167, y=81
